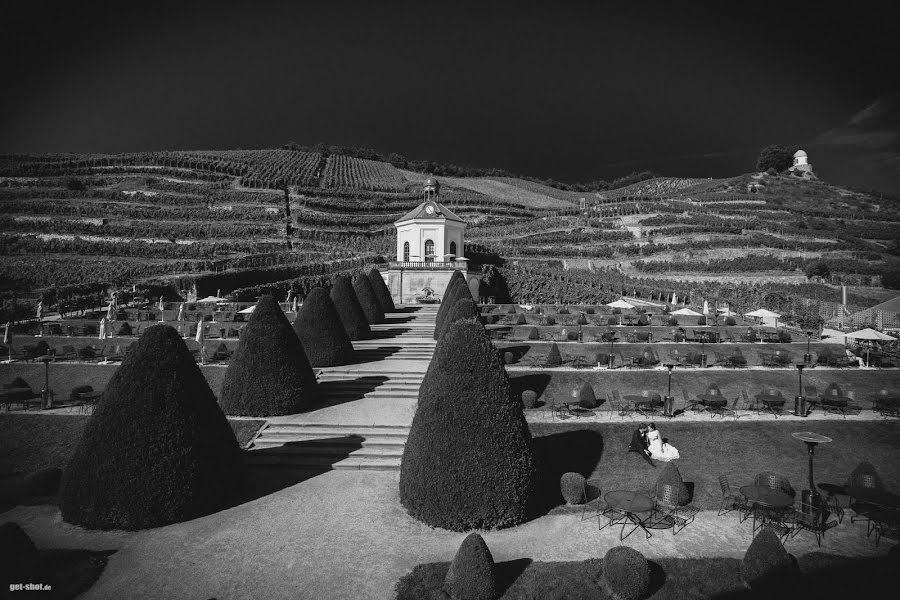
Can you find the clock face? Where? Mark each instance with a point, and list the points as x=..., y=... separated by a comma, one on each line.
x=429, y=209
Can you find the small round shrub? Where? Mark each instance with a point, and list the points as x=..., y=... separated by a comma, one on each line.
x=766, y=564
x=43, y=482
x=730, y=321
x=42, y=348
x=20, y=561
x=643, y=320
x=572, y=487
x=589, y=310
x=586, y=397
x=784, y=336
x=626, y=574
x=582, y=320
x=369, y=302
x=563, y=311
x=471, y=574
x=551, y=321
x=671, y=475
x=79, y=389
x=529, y=399
x=572, y=336
x=673, y=321
x=601, y=358
x=701, y=320
x=511, y=309
x=612, y=321
x=521, y=320
x=125, y=329
x=381, y=291
x=533, y=334
x=509, y=358
x=347, y=304
x=554, y=359
x=321, y=332
x=269, y=373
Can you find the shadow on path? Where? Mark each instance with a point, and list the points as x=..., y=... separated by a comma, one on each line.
x=341, y=391
x=577, y=451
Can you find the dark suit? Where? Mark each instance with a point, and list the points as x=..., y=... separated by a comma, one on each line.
x=639, y=444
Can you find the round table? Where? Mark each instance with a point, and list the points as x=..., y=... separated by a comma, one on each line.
x=713, y=400
x=640, y=402
x=761, y=494
x=631, y=503
x=771, y=402
x=874, y=496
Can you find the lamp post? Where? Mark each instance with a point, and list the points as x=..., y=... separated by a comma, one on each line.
x=612, y=337
x=800, y=400
x=702, y=353
x=807, y=358
x=669, y=402
x=46, y=393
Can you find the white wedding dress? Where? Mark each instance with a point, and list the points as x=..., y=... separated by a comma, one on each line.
x=660, y=451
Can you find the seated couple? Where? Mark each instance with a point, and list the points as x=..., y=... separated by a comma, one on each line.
x=647, y=441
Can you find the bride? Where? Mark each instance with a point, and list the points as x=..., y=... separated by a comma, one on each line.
x=660, y=450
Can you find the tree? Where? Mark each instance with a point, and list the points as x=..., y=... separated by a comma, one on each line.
x=321, y=332
x=269, y=373
x=818, y=269
x=468, y=462
x=775, y=157
x=157, y=449
x=890, y=277
x=381, y=291
x=808, y=317
x=367, y=299
x=445, y=306
x=349, y=309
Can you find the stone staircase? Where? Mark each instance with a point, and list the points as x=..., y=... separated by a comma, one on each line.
x=321, y=446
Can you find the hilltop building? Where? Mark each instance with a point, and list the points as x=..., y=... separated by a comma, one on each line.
x=430, y=246
x=801, y=166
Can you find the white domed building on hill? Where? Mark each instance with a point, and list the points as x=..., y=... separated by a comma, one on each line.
x=801, y=166
x=430, y=247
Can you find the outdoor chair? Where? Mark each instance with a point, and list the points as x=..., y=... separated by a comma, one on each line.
x=812, y=398
x=66, y=353
x=595, y=506
x=736, y=359
x=811, y=518
x=17, y=391
x=733, y=410
x=862, y=509
x=648, y=358
x=692, y=405
x=668, y=504
x=619, y=405
x=55, y=329
x=886, y=523
x=749, y=403
x=732, y=499
x=775, y=481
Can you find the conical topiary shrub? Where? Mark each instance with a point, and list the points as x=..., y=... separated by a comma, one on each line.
x=533, y=334
x=321, y=332
x=464, y=308
x=582, y=320
x=471, y=574
x=671, y=475
x=455, y=280
x=521, y=320
x=586, y=397
x=269, y=373
x=157, y=449
x=459, y=292
x=347, y=304
x=766, y=564
x=367, y=299
x=381, y=291
x=554, y=359
x=468, y=462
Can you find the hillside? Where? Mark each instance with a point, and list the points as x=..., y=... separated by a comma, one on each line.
x=93, y=220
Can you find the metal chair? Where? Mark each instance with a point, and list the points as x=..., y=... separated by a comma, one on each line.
x=668, y=504
x=811, y=518
x=732, y=499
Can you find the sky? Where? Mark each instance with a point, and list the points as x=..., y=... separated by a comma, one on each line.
x=574, y=91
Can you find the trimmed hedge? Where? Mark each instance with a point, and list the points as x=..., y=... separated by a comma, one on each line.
x=347, y=304
x=381, y=291
x=586, y=397
x=157, y=449
x=529, y=399
x=269, y=373
x=459, y=292
x=671, y=475
x=582, y=320
x=554, y=359
x=471, y=574
x=468, y=462
x=521, y=320
x=319, y=328
x=533, y=334
x=766, y=564
x=464, y=308
x=571, y=485
x=626, y=574
x=445, y=306
x=367, y=299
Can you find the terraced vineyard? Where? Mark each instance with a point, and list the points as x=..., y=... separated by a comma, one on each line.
x=101, y=220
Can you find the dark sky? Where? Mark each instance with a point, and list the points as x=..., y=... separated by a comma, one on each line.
x=569, y=90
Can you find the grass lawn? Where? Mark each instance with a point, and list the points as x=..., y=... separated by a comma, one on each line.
x=34, y=441
x=823, y=576
x=738, y=450
x=557, y=385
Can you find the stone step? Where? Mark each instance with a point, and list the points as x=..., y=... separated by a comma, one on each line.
x=330, y=429
x=325, y=463
x=322, y=450
x=378, y=442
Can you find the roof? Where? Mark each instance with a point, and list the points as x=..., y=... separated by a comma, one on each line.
x=889, y=306
x=799, y=153
x=418, y=212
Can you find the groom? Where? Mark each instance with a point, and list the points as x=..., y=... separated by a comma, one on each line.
x=639, y=443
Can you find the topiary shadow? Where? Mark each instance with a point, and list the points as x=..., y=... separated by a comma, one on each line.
x=517, y=351
x=507, y=571
x=392, y=332
x=270, y=470
x=331, y=391
x=536, y=382
x=577, y=451
x=374, y=354
x=657, y=577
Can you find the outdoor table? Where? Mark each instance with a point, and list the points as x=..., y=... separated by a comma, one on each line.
x=887, y=405
x=642, y=403
x=633, y=504
x=874, y=496
x=89, y=399
x=713, y=400
x=771, y=403
x=771, y=500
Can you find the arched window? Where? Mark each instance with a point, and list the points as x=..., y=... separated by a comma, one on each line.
x=405, y=251
x=429, y=251
x=453, y=248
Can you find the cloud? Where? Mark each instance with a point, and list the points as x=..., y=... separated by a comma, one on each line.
x=875, y=128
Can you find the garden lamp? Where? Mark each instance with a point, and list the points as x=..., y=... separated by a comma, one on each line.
x=807, y=358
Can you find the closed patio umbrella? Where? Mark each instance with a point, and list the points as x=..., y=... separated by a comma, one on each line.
x=102, y=328
x=40, y=309
x=7, y=341
x=111, y=311
x=705, y=307
x=200, y=341
x=180, y=316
